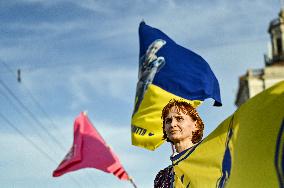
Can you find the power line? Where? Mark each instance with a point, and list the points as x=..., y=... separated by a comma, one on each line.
x=33, y=144
x=19, y=112
x=27, y=138
x=33, y=117
x=39, y=134
x=36, y=102
x=31, y=114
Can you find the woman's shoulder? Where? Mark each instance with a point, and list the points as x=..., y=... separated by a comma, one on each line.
x=164, y=178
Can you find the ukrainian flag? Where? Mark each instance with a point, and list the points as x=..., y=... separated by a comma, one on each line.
x=246, y=150
x=166, y=71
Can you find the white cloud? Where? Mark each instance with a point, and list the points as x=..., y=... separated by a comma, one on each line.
x=17, y=53
x=83, y=84
x=105, y=82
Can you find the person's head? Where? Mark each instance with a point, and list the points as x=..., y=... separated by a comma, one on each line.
x=181, y=121
x=153, y=49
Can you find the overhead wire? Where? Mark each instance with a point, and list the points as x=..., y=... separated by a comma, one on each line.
x=34, y=144
x=16, y=108
x=37, y=103
x=27, y=138
x=21, y=133
x=31, y=114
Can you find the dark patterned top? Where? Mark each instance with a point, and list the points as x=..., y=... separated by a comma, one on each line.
x=164, y=179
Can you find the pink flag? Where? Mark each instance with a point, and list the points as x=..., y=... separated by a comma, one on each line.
x=89, y=150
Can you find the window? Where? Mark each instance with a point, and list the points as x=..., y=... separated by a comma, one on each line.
x=279, y=46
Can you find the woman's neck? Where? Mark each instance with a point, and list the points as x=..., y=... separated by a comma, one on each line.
x=181, y=146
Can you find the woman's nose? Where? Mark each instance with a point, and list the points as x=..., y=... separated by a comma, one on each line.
x=173, y=123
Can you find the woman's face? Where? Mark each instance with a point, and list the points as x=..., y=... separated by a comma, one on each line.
x=179, y=126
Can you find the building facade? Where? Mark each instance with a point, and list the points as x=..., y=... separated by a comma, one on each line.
x=257, y=80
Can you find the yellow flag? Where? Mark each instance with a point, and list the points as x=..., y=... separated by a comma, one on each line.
x=246, y=150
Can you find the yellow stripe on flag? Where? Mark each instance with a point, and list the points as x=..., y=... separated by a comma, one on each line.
x=146, y=124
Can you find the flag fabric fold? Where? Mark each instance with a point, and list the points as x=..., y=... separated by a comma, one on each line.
x=245, y=150
x=89, y=150
x=166, y=71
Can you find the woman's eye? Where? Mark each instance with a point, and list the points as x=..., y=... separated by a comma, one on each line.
x=168, y=121
x=179, y=119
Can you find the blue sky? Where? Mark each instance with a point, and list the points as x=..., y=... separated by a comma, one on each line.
x=83, y=55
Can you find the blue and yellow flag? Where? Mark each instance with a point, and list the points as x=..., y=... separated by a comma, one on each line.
x=166, y=71
x=246, y=150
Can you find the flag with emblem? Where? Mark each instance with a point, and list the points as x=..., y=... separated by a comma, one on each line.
x=166, y=71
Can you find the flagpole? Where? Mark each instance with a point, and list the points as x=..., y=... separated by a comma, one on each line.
x=132, y=182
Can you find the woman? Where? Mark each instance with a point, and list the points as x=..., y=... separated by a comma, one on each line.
x=183, y=127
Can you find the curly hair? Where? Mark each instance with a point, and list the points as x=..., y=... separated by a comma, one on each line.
x=187, y=109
